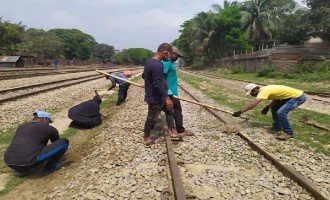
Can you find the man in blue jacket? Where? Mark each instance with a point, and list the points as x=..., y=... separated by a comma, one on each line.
x=155, y=92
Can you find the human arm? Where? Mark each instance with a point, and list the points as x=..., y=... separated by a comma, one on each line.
x=248, y=107
x=54, y=134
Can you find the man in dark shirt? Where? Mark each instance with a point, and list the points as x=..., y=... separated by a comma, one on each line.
x=87, y=114
x=155, y=92
x=29, y=149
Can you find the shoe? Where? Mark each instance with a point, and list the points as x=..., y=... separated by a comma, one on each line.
x=284, y=136
x=53, y=168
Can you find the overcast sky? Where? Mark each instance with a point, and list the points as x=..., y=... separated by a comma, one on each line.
x=121, y=23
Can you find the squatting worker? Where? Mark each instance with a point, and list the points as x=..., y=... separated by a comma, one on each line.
x=87, y=114
x=28, y=148
x=172, y=83
x=155, y=92
x=284, y=99
x=123, y=86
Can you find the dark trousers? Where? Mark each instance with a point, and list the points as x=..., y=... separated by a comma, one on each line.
x=177, y=115
x=154, y=111
x=51, y=153
x=122, y=93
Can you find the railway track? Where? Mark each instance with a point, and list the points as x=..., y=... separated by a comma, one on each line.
x=15, y=93
x=286, y=169
x=27, y=73
x=313, y=95
x=211, y=165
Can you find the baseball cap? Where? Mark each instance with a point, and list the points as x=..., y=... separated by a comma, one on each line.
x=249, y=88
x=176, y=50
x=43, y=114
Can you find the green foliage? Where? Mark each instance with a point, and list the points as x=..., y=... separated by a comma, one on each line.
x=238, y=69
x=42, y=44
x=103, y=51
x=265, y=71
x=76, y=43
x=10, y=36
x=136, y=55
x=319, y=15
x=295, y=28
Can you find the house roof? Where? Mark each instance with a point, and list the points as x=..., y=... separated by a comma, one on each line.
x=9, y=59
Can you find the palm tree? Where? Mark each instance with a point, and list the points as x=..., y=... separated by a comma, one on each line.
x=257, y=20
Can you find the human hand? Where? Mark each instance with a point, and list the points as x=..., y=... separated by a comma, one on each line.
x=265, y=110
x=237, y=113
x=169, y=103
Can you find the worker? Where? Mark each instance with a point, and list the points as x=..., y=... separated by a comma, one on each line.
x=28, y=148
x=284, y=99
x=87, y=114
x=123, y=86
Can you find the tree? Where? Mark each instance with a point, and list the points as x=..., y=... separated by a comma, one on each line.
x=319, y=15
x=76, y=43
x=103, y=51
x=257, y=20
x=40, y=43
x=295, y=28
x=10, y=36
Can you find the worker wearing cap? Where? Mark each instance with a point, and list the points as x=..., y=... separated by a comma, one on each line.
x=123, y=86
x=28, y=148
x=284, y=99
x=172, y=84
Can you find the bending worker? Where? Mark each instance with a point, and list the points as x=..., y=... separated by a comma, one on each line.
x=28, y=148
x=123, y=86
x=284, y=99
x=86, y=114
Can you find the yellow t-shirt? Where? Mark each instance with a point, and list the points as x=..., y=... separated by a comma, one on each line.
x=278, y=92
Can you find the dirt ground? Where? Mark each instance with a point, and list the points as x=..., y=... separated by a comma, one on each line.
x=36, y=186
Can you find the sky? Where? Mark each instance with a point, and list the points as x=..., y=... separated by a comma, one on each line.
x=120, y=23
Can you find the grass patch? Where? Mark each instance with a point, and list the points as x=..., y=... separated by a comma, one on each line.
x=317, y=81
x=305, y=136
x=14, y=181
x=107, y=105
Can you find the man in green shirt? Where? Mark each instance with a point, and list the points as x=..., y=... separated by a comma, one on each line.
x=172, y=84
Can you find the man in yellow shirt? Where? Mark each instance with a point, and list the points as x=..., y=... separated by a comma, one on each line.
x=284, y=99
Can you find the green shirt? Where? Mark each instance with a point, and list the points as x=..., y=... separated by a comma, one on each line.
x=171, y=77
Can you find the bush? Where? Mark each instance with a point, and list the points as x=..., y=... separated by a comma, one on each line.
x=265, y=70
x=237, y=69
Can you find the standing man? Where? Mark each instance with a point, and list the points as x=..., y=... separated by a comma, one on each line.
x=123, y=86
x=284, y=99
x=29, y=149
x=172, y=83
x=56, y=63
x=155, y=93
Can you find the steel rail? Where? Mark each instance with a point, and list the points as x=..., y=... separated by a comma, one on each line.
x=174, y=169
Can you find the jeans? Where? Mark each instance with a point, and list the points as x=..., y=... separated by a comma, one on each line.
x=154, y=111
x=280, y=111
x=122, y=93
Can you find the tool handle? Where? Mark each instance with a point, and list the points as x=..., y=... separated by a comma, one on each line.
x=113, y=76
x=209, y=106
